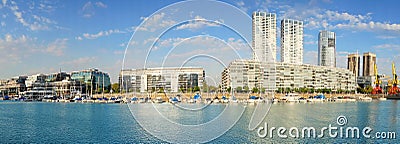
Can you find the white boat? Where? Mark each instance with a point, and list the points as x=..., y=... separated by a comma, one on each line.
x=291, y=98
x=382, y=99
x=216, y=101
x=365, y=98
x=233, y=99
x=159, y=100
x=345, y=99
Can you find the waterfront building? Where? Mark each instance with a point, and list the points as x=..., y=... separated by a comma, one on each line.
x=247, y=73
x=292, y=41
x=353, y=64
x=244, y=75
x=14, y=86
x=94, y=80
x=264, y=36
x=327, y=49
x=369, y=60
x=314, y=77
x=171, y=79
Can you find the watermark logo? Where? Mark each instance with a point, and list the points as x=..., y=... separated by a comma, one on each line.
x=330, y=131
x=153, y=45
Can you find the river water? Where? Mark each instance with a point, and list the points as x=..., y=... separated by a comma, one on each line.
x=37, y=122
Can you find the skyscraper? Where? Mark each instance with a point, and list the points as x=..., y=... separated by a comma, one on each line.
x=327, y=49
x=369, y=60
x=264, y=36
x=292, y=41
x=353, y=63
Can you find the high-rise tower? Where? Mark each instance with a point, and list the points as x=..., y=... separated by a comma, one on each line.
x=264, y=36
x=292, y=41
x=327, y=49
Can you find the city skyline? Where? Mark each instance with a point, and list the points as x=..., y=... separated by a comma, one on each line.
x=42, y=36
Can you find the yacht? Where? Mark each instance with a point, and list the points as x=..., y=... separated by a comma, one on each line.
x=290, y=97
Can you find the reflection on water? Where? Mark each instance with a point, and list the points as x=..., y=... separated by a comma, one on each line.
x=113, y=123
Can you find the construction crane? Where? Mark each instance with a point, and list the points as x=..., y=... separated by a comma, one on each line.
x=377, y=89
x=393, y=89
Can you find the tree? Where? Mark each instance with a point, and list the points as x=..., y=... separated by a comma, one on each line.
x=196, y=89
x=255, y=90
x=115, y=87
x=246, y=89
x=239, y=89
x=288, y=90
x=161, y=90
x=368, y=89
x=229, y=89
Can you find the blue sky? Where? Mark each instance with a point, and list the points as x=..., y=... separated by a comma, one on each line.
x=45, y=36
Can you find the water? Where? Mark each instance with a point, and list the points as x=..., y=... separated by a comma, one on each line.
x=22, y=122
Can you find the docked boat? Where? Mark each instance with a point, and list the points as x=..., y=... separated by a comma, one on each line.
x=291, y=98
x=345, y=99
x=382, y=98
x=317, y=98
x=393, y=97
x=159, y=100
x=302, y=100
x=216, y=100
x=224, y=99
x=233, y=99
x=365, y=98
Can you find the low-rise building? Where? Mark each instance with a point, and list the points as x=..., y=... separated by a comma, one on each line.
x=155, y=79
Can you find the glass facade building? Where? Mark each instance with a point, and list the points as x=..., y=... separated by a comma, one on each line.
x=93, y=79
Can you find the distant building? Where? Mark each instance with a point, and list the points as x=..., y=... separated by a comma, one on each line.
x=292, y=41
x=248, y=73
x=93, y=79
x=13, y=86
x=156, y=79
x=353, y=64
x=369, y=60
x=264, y=36
x=327, y=49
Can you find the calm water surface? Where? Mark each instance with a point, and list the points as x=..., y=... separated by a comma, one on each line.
x=22, y=122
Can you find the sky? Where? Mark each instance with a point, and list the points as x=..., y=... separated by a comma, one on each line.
x=46, y=36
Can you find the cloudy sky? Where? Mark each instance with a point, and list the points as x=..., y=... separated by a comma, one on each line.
x=44, y=36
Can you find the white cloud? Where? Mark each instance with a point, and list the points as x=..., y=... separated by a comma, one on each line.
x=311, y=57
x=317, y=18
x=14, y=49
x=35, y=22
x=386, y=37
x=157, y=21
x=4, y=2
x=387, y=46
x=100, y=34
x=79, y=38
x=341, y=58
x=311, y=42
x=57, y=47
x=100, y=4
x=89, y=9
x=242, y=6
x=198, y=23
x=80, y=61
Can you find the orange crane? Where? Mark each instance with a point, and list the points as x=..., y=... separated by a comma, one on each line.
x=393, y=89
x=377, y=89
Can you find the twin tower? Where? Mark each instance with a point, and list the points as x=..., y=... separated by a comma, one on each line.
x=264, y=35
